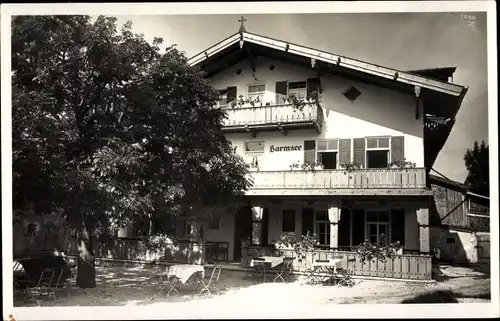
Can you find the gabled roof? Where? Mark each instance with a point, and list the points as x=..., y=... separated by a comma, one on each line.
x=207, y=56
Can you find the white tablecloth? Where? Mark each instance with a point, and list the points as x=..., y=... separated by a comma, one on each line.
x=332, y=263
x=274, y=260
x=184, y=271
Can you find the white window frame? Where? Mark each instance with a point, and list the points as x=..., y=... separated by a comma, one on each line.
x=218, y=101
x=255, y=153
x=378, y=223
x=327, y=226
x=290, y=91
x=370, y=149
x=316, y=159
x=259, y=94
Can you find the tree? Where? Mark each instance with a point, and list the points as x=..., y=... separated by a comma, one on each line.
x=477, y=164
x=109, y=128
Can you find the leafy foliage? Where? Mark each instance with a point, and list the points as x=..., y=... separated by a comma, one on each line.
x=477, y=164
x=306, y=244
x=380, y=250
x=401, y=164
x=108, y=128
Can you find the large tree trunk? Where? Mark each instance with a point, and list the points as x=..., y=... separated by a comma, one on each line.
x=86, y=260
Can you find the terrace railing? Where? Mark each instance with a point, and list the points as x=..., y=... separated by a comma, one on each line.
x=405, y=267
x=338, y=179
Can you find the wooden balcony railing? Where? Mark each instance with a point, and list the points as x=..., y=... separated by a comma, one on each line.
x=337, y=179
x=275, y=117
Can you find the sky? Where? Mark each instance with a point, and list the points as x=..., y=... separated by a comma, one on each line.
x=403, y=41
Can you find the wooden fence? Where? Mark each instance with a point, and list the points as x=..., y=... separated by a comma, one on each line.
x=136, y=250
x=406, y=267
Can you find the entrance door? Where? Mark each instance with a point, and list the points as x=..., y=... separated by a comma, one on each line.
x=242, y=229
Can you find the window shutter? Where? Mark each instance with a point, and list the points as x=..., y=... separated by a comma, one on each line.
x=398, y=226
x=231, y=94
x=344, y=228
x=281, y=90
x=307, y=221
x=397, y=148
x=344, y=151
x=312, y=85
x=359, y=150
x=309, y=151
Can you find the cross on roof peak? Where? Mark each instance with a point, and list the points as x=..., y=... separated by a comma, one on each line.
x=242, y=27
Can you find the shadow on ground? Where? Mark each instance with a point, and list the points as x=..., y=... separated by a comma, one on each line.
x=118, y=286
x=444, y=296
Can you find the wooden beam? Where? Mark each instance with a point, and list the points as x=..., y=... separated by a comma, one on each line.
x=282, y=129
x=418, y=102
x=251, y=57
x=320, y=71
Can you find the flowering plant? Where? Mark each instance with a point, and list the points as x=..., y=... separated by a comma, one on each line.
x=368, y=250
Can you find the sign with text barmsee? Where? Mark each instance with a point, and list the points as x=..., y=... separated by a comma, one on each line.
x=273, y=148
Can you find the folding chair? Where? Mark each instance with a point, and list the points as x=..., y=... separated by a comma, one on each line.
x=343, y=278
x=210, y=279
x=284, y=270
x=169, y=281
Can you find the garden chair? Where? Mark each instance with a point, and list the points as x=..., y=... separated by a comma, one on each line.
x=343, y=278
x=283, y=270
x=47, y=280
x=210, y=279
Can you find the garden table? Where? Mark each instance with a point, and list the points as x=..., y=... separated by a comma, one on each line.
x=265, y=263
x=320, y=267
x=177, y=275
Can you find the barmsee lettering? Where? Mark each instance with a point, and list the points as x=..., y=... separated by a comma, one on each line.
x=284, y=148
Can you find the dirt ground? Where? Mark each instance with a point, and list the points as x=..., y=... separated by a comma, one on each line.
x=119, y=286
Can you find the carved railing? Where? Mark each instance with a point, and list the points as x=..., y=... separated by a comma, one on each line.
x=272, y=115
x=337, y=179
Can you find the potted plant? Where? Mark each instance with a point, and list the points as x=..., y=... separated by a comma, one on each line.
x=286, y=241
x=295, y=166
x=305, y=247
x=401, y=164
x=380, y=250
x=351, y=166
x=318, y=165
x=308, y=167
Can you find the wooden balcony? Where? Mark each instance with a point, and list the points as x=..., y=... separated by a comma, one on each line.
x=273, y=118
x=408, y=181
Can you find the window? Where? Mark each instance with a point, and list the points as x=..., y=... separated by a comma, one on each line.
x=185, y=227
x=254, y=147
x=327, y=153
x=256, y=92
x=377, y=152
x=214, y=224
x=141, y=226
x=298, y=88
x=378, y=227
x=288, y=221
x=222, y=102
x=322, y=227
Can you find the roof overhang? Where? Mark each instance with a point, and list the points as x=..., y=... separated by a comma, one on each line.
x=237, y=40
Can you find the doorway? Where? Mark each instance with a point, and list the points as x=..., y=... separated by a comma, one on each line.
x=242, y=229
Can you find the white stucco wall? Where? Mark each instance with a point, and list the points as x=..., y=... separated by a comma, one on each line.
x=462, y=250
x=376, y=112
x=225, y=233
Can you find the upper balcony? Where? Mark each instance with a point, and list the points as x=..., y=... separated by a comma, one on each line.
x=273, y=118
x=392, y=181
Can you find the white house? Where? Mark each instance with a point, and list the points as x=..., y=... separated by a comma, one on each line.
x=338, y=147
x=366, y=114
